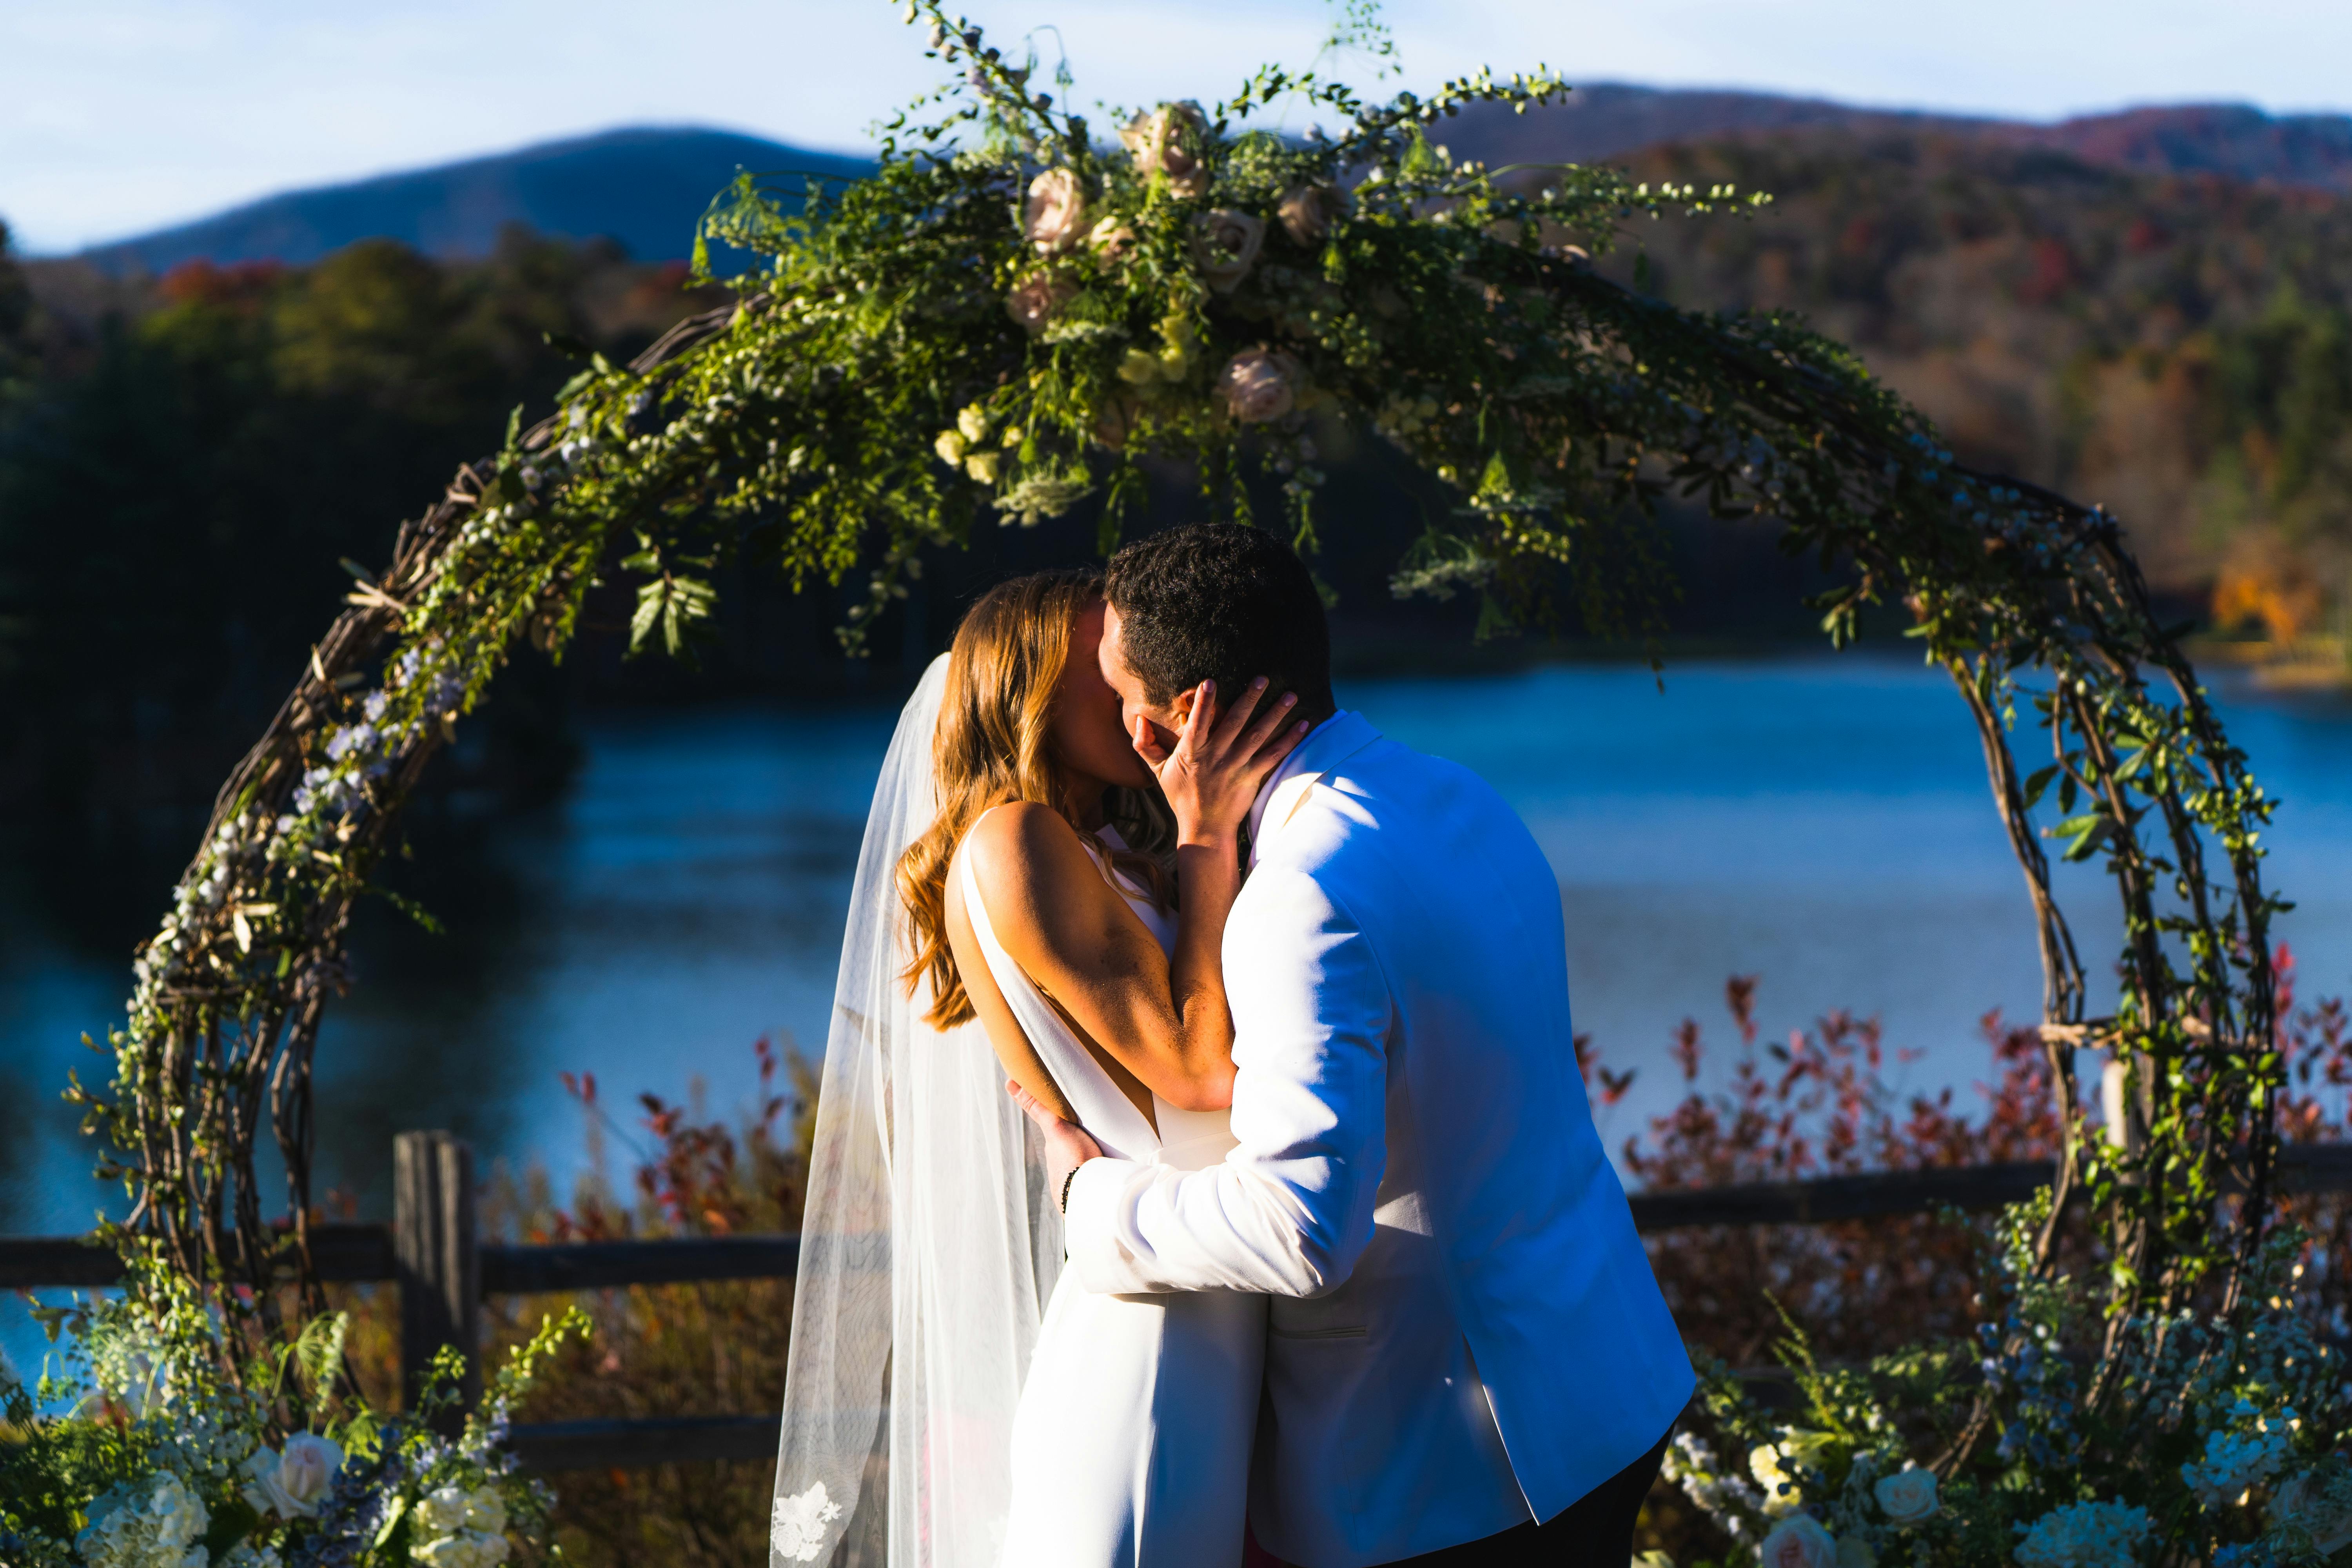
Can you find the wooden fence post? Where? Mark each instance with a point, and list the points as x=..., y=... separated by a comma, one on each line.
x=438, y=1262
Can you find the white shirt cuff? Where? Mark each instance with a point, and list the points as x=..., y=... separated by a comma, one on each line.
x=1090, y=1224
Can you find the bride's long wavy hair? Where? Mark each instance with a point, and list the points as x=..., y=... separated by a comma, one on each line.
x=994, y=744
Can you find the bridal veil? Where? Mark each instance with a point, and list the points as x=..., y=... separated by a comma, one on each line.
x=928, y=1248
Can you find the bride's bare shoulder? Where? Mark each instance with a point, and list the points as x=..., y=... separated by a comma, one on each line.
x=1019, y=835
x=1024, y=844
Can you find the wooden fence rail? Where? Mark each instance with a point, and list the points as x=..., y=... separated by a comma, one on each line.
x=431, y=1252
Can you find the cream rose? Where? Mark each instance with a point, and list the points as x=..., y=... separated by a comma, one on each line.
x=1225, y=246
x=1037, y=300
x=1907, y=1496
x=1116, y=417
x=950, y=446
x=1305, y=212
x=1166, y=141
x=1057, y=211
x=1111, y=240
x=982, y=466
x=1259, y=384
x=1797, y=1542
x=291, y=1482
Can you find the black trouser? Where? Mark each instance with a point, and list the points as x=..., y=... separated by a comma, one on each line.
x=1595, y=1532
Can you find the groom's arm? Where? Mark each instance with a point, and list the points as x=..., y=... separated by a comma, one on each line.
x=1290, y=1210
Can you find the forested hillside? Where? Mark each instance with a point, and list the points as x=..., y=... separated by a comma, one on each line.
x=2177, y=348
x=183, y=462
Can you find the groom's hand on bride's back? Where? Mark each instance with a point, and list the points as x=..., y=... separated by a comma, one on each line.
x=1068, y=1144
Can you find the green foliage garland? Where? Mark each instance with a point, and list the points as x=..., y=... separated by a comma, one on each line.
x=1012, y=315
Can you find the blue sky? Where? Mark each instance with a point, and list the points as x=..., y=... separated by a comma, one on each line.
x=117, y=116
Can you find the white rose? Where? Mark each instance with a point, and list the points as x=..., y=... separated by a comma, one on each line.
x=1259, y=384
x=306, y=1469
x=1797, y=1542
x=1037, y=300
x=260, y=1486
x=1907, y=1496
x=441, y=1552
x=466, y=1549
x=1056, y=211
x=1305, y=212
x=1166, y=141
x=442, y=1510
x=1225, y=246
x=487, y=1511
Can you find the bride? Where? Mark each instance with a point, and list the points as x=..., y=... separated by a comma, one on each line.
x=1040, y=897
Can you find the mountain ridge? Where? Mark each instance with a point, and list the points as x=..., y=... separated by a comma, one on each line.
x=1609, y=119
x=644, y=185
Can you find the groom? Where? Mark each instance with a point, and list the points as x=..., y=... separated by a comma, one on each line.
x=1468, y=1360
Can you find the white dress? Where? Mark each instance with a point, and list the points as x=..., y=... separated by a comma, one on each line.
x=1131, y=1445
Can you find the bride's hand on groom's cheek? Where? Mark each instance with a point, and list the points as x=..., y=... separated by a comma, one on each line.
x=1212, y=773
x=1068, y=1144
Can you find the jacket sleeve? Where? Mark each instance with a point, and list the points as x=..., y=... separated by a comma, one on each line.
x=1290, y=1210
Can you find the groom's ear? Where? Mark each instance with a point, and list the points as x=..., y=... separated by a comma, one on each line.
x=1180, y=707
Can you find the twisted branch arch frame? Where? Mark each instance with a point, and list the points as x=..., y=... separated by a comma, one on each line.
x=1566, y=406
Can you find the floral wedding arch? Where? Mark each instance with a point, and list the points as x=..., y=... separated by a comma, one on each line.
x=1014, y=314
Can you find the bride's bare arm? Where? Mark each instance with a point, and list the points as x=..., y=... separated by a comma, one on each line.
x=1012, y=1046
x=1163, y=1019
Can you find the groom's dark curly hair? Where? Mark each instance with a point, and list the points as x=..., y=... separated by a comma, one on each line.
x=1224, y=602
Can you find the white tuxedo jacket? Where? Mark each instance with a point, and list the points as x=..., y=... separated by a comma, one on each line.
x=1466, y=1333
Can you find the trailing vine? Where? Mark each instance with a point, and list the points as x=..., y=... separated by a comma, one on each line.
x=1012, y=316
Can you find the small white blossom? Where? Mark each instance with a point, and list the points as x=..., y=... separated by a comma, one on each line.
x=152, y=1523
x=2235, y=1461
x=2084, y=1535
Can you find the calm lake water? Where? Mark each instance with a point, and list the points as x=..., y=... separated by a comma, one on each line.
x=1821, y=822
